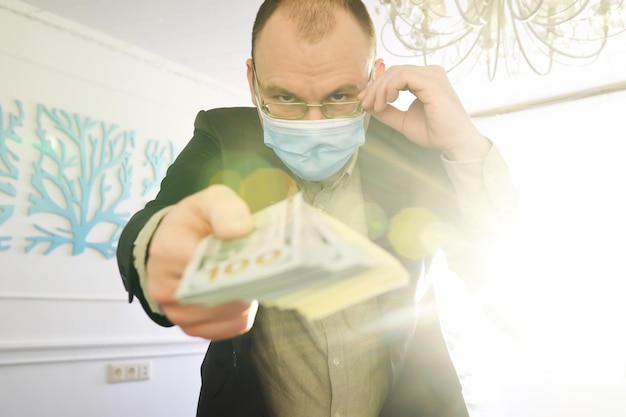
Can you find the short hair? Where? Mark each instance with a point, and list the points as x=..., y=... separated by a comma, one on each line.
x=314, y=18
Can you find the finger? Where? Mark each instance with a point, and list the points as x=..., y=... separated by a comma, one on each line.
x=216, y=209
x=227, y=213
x=369, y=96
x=380, y=94
x=224, y=327
x=391, y=116
x=162, y=282
x=384, y=91
x=219, y=330
x=192, y=314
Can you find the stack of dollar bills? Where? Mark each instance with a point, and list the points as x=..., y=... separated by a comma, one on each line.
x=295, y=258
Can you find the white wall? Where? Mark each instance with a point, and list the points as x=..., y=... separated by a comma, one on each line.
x=65, y=317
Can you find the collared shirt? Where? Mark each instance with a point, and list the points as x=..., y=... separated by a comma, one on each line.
x=326, y=367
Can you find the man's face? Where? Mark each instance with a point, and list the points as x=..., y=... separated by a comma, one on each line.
x=291, y=70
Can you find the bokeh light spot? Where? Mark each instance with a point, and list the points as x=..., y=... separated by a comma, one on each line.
x=266, y=186
x=415, y=232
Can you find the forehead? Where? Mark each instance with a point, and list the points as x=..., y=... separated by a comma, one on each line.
x=282, y=57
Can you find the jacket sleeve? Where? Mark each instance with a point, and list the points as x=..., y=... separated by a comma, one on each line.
x=192, y=171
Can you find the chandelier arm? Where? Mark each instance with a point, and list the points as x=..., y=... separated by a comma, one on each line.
x=428, y=34
x=568, y=55
x=415, y=52
x=525, y=55
x=408, y=45
x=534, y=13
x=609, y=35
x=450, y=43
x=530, y=16
x=382, y=39
x=482, y=21
x=419, y=29
x=570, y=18
x=491, y=73
x=469, y=51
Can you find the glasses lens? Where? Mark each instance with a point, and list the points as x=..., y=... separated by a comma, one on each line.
x=346, y=109
x=286, y=110
x=298, y=110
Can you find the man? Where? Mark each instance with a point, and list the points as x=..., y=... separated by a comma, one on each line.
x=315, y=84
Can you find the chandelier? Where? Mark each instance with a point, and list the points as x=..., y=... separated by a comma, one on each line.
x=459, y=34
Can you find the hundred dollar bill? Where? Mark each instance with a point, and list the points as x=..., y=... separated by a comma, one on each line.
x=219, y=268
x=295, y=258
x=368, y=271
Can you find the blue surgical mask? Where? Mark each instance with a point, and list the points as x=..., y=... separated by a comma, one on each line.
x=314, y=150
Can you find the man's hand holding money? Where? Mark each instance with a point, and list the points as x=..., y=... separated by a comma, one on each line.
x=215, y=210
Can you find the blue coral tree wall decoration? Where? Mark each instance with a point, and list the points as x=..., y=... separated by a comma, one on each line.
x=82, y=175
x=158, y=157
x=8, y=168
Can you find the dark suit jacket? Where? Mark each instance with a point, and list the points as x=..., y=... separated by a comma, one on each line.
x=227, y=147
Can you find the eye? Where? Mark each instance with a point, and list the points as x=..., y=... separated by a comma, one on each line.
x=339, y=97
x=284, y=98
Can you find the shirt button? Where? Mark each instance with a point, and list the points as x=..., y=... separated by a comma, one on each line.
x=338, y=414
x=337, y=362
x=320, y=207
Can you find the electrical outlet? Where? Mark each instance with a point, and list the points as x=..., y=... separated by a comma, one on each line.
x=115, y=373
x=143, y=371
x=128, y=371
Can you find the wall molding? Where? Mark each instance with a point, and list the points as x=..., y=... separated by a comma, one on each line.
x=554, y=99
x=43, y=352
x=61, y=297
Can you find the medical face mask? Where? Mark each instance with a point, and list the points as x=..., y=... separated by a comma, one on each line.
x=314, y=150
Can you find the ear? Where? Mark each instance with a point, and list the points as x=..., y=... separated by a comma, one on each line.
x=379, y=67
x=250, y=75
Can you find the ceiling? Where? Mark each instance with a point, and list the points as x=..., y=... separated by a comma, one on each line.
x=213, y=39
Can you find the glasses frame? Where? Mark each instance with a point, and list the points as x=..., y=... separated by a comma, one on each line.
x=264, y=106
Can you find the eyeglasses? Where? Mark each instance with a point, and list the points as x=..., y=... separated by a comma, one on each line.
x=344, y=109
x=294, y=111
